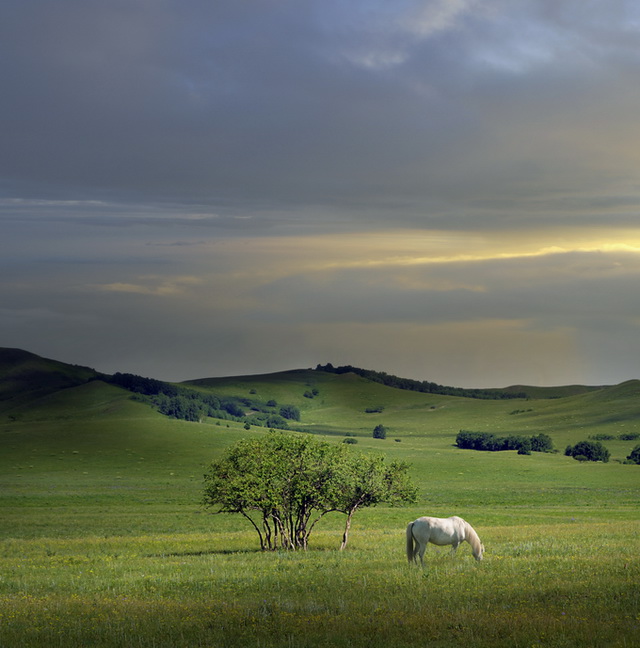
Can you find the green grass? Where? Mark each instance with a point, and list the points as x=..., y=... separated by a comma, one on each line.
x=103, y=541
x=561, y=585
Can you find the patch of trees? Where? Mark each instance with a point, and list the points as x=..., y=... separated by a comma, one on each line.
x=284, y=484
x=193, y=405
x=419, y=386
x=625, y=436
x=588, y=451
x=141, y=385
x=492, y=443
x=634, y=456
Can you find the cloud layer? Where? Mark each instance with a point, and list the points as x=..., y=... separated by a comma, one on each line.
x=442, y=189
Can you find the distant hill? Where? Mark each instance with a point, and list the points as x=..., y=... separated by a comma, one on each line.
x=551, y=392
x=426, y=387
x=25, y=376
x=317, y=401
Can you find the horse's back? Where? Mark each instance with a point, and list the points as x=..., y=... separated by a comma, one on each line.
x=441, y=523
x=439, y=531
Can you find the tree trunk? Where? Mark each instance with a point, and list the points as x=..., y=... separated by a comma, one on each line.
x=347, y=526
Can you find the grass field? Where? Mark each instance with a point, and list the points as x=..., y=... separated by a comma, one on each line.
x=103, y=541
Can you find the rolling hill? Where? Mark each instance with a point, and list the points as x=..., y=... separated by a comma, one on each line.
x=330, y=403
x=71, y=437
x=24, y=376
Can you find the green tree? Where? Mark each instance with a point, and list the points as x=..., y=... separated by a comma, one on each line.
x=283, y=484
x=290, y=412
x=367, y=481
x=525, y=446
x=635, y=455
x=541, y=443
x=592, y=450
x=379, y=432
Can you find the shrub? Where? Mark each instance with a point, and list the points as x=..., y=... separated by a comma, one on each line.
x=374, y=410
x=591, y=450
x=634, y=457
x=541, y=443
x=492, y=443
x=275, y=421
x=379, y=432
x=525, y=447
x=290, y=412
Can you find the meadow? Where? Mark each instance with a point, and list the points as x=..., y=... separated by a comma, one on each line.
x=103, y=541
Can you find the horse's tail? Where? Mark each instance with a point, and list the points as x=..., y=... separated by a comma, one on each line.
x=410, y=543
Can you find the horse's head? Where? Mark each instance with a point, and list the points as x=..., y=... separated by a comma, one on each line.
x=478, y=555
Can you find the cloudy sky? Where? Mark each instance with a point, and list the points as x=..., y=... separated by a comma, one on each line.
x=446, y=190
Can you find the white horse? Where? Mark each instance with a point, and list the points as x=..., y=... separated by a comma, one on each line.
x=440, y=531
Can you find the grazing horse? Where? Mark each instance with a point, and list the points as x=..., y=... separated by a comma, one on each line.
x=440, y=531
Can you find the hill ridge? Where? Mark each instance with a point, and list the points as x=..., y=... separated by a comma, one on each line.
x=24, y=374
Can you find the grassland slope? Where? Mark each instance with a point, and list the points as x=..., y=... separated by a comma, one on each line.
x=103, y=538
x=25, y=376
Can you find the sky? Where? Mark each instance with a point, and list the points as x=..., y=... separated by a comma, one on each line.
x=444, y=190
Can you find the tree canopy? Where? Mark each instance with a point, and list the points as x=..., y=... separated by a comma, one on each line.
x=490, y=442
x=588, y=451
x=634, y=455
x=283, y=484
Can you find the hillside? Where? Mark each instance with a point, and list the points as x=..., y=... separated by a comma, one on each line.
x=329, y=403
x=103, y=535
x=77, y=447
x=25, y=377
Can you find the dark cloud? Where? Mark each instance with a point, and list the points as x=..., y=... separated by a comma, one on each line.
x=285, y=103
x=214, y=167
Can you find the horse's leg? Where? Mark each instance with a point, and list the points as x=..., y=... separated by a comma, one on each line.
x=454, y=548
x=421, y=549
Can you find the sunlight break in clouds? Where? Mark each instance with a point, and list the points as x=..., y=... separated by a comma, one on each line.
x=280, y=256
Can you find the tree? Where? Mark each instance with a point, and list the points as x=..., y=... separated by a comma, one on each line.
x=591, y=450
x=541, y=443
x=290, y=412
x=492, y=443
x=283, y=484
x=524, y=447
x=367, y=481
x=634, y=457
x=379, y=432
